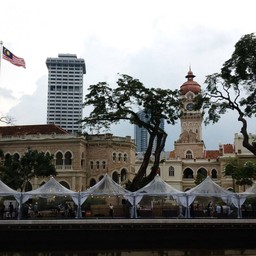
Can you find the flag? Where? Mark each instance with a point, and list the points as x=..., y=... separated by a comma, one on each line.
x=9, y=56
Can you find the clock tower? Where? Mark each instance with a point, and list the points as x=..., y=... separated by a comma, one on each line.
x=190, y=143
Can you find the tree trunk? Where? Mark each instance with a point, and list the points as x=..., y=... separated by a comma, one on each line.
x=246, y=143
x=142, y=171
x=161, y=138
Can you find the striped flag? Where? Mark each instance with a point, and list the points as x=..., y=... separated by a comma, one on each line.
x=9, y=56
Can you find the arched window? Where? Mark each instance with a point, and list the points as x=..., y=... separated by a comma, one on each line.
x=91, y=164
x=68, y=159
x=115, y=177
x=16, y=157
x=119, y=157
x=103, y=165
x=171, y=171
x=123, y=175
x=188, y=174
x=28, y=187
x=59, y=160
x=125, y=157
x=92, y=182
x=114, y=157
x=189, y=154
x=214, y=174
x=65, y=184
x=202, y=171
x=42, y=183
x=97, y=165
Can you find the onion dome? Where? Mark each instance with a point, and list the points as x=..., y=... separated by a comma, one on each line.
x=190, y=85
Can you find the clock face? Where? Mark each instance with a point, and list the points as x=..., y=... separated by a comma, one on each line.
x=190, y=106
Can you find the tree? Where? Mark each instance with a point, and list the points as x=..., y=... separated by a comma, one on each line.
x=234, y=88
x=17, y=172
x=110, y=106
x=242, y=173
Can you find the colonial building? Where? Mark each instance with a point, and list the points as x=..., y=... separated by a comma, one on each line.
x=80, y=161
x=180, y=167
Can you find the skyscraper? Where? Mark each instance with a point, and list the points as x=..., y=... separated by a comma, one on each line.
x=65, y=91
x=141, y=134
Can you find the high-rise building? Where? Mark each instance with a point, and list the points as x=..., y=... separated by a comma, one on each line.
x=141, y=134
x=65, y=91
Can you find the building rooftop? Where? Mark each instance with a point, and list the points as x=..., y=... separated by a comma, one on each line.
x=18, y=130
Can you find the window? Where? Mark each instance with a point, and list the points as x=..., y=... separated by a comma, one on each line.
x=189, y=155
x=68, y=160
x=114, y=157
x=171, y=171
x=98, y=165
x=119, y=157
x=214, y=174
x=188, y=174
x=104, y=165
x=125, y=157
x=59, y=159
x=91, y=164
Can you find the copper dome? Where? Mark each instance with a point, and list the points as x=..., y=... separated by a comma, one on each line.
x=190, y=85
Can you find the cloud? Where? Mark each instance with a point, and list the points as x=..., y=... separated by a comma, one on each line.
x=7, y=94
x=32, y=109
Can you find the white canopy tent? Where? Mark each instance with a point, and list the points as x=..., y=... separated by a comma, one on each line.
x=51, y=188
x=240, y=198
x=207, y=188
x=157, y=187
x=106, y=186
x=7, y=191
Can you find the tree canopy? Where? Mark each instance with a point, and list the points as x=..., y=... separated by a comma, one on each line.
x=242, y=173
x=234, y=88
x=17, y=171
x=112, y=105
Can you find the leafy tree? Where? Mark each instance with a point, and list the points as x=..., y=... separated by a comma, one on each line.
x=17, y=172
x=110, y=106
x=231, y=169
x=242, y=173
x=234, y=88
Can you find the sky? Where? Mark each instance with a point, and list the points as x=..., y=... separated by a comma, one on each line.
x=155, y=41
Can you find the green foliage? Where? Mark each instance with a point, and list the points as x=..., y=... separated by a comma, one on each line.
x=242, y=173
x=17, y=172
x=122, y=103
x=234, y=88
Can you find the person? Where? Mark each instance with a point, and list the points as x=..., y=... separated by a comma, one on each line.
x=11, y=208
x=111, y=211
x=138, y=210
x=2, y=211
x=209, y=209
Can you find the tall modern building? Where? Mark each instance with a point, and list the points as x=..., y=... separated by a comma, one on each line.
x=65, y=91
x=141, y=134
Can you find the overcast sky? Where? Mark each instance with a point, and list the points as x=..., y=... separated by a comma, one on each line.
x=153, y=41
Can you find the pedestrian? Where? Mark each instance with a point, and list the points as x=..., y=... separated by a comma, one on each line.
x=11, y=208
x=111, y=211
